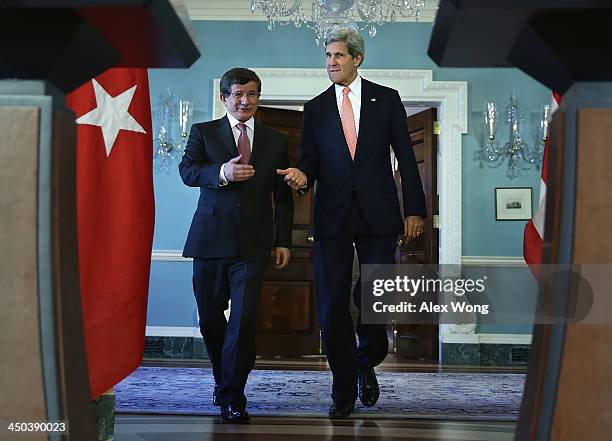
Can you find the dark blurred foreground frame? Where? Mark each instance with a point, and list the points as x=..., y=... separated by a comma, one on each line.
x=565, y=46
x=47, y=49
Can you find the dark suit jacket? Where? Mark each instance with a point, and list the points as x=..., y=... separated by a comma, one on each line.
x=237, y=217
x=325, y=158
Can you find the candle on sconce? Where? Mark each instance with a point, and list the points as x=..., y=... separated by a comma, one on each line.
x=490, y=119
x=545, y=120
x=185, y=113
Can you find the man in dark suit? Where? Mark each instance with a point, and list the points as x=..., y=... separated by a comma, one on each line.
x=346, y=134
x=233, y=230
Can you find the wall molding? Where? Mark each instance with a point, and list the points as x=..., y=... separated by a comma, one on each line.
x=169, y=256
x=501, y=339
x=504, y=339
x=414, y=86
x=177, y=256
x=494, y=260
x=172, y=331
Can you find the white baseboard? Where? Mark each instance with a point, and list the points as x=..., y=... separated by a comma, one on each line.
x=499, y=339
x=172, y=331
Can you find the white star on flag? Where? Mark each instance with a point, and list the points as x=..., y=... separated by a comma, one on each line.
x=111, y=115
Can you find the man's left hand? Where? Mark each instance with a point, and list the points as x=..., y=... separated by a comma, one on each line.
x=282, y=257
x=413, y=227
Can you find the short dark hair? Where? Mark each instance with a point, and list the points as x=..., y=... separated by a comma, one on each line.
x=238, y=75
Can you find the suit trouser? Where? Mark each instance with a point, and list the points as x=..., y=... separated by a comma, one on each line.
x=333, y=275
x=230, y=345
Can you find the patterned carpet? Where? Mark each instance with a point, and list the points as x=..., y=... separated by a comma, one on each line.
x=460, y=396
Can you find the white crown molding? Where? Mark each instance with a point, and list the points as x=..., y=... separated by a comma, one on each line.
x=240, y=10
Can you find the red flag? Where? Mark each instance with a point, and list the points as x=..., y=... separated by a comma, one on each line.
x=533, y=237
x=115, y=215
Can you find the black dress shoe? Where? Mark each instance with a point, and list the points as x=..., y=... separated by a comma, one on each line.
x=341, y=410
x=216, y=396
x=232, y=414
x=368, y=386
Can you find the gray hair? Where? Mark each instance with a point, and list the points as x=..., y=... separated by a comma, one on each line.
x=354, y=42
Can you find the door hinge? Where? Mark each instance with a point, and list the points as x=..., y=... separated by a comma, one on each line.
x=436, y=221
x=436, y=127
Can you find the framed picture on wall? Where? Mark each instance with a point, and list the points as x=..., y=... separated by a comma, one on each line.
x=513, y=203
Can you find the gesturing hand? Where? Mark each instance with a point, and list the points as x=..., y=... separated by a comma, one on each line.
x=294, y=177
x=236, y=172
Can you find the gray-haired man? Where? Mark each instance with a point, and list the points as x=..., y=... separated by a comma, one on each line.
x=346, y=134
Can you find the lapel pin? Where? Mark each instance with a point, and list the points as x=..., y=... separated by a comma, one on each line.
x=372, y=99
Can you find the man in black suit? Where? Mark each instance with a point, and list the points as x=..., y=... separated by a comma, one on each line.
x=346, y=134
x=233, y=230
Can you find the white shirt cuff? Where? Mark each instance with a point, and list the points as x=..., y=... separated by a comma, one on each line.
x=222, y=179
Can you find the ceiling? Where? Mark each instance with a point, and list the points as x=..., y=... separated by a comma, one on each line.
x=240, y=10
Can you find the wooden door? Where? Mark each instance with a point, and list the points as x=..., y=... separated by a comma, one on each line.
x=288, y=323
x=420, y=341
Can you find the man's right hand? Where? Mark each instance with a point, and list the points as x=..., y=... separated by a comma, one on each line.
x=236, y=172
x=294, y=177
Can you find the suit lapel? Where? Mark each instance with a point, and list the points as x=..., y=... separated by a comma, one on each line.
x=364, y=115
x=226, y=135
x=257, y=143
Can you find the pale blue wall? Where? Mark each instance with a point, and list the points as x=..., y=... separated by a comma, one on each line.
x=171, y=301
x=397, y=46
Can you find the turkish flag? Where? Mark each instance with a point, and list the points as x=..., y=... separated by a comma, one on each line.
x=115, y=216
x=533, y=236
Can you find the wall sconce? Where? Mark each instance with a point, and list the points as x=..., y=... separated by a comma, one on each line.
x=172, y=120
x=543, y=127
x=519, y=155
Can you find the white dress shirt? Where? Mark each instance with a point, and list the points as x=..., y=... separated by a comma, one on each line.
x=236, y=132
x=355, y=97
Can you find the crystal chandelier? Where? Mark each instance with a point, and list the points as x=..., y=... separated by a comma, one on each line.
x=518, y=154
x=172, y=120
x=328, y=15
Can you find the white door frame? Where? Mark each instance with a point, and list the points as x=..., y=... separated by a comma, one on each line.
x=414, y=86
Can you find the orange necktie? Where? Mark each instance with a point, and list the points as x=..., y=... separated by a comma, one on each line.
x=348, y=122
